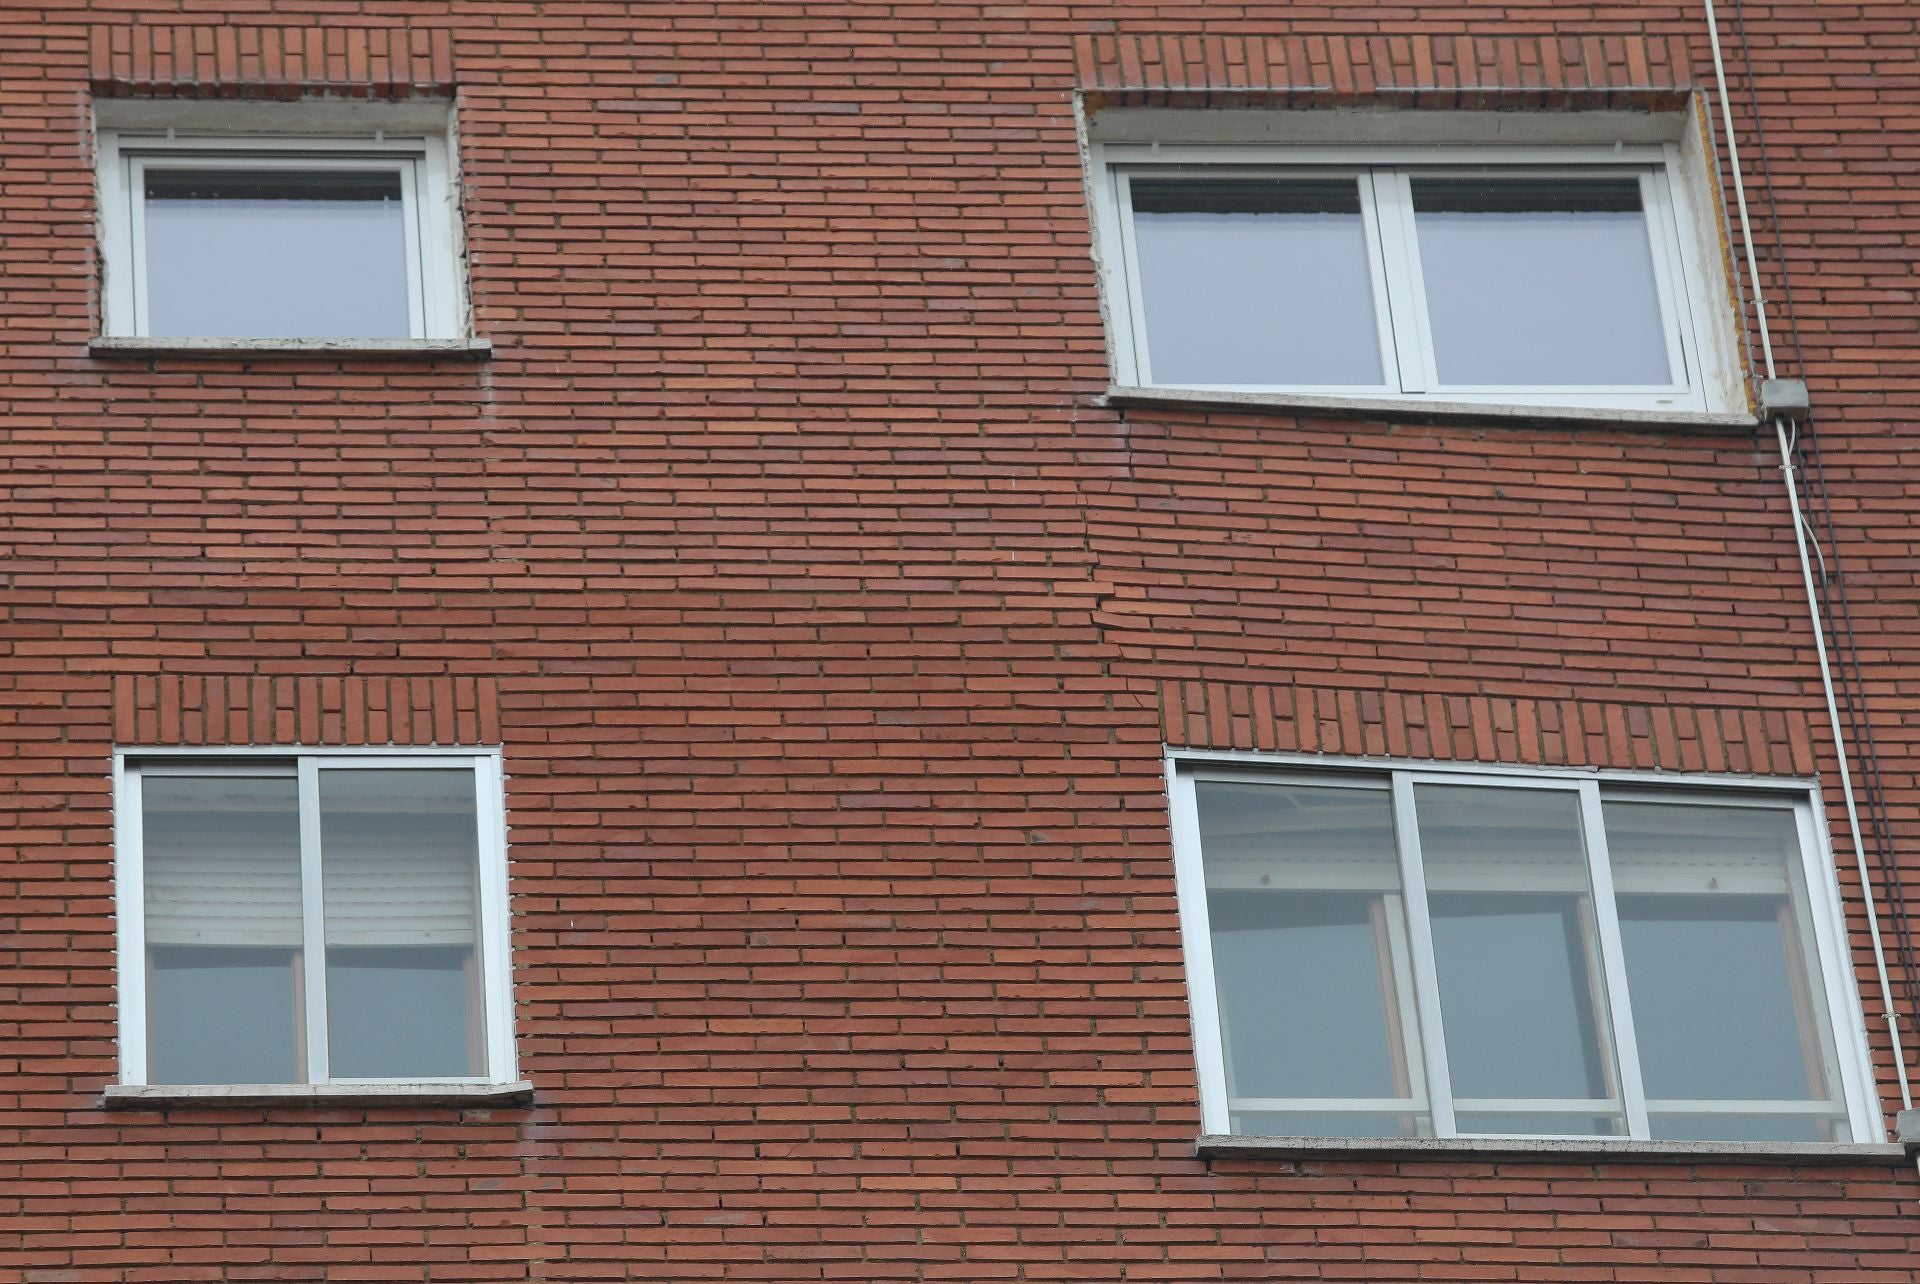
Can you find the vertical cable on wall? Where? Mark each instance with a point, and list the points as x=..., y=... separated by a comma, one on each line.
x=1836, y=603
x=1819, y=609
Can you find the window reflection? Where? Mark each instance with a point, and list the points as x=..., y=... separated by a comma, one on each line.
x=1540, y=281
x=275, y=254
x=1256, y=281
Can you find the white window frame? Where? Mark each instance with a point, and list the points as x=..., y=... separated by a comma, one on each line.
x=436, y=287
x=306, y=765
x=1382, y=176
x=1431, y=1091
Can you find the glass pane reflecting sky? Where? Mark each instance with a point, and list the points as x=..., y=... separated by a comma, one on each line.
x=1304, y=882
x=1540, y=281
x=399, y=852
x=1256, y=281
x=1521, y=998
x=281, y=254
x=222, y=868
x=1727, y=997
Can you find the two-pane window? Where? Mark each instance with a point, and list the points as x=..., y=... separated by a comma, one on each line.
x=1434, y=953
x=313, y=919
x=1460, y=281
x=315, y=239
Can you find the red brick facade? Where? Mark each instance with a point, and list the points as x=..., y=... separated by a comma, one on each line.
x=834, y=628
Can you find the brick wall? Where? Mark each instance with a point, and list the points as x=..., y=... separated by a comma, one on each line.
x=834, y=629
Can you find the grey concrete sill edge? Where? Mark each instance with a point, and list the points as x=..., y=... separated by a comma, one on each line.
x=1555, y=1150
x=124, y=346
x=1409, y=410
x=162, y=1096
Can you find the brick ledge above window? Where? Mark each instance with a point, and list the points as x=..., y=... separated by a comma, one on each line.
x=165, y=1096
x=226, y=56
x=1135, y=68
x=1409, y=409
x=1555, y=1149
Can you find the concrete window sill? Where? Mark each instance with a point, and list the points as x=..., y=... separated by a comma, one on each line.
x=166, y=1096
x=1406, y=410
x=1556, y=1150
x=389, y=349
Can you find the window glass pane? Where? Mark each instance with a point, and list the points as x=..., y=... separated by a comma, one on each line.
x=1345, y=1123
x=275, y=254
x=1722, y=974
x=1540, y=281
x=1536, y=1124
x=430, y=985
x=1732, y=1126
x=1256, y=281
x=1310, y=957
x=399, y=858
x=222, y=870
x=222, y=1015
x=1522, y=999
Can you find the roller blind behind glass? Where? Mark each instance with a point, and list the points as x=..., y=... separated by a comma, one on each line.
x=222, y=860
x=398, y=854
x=400, y=849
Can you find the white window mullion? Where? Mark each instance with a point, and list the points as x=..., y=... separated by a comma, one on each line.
x=1426, y=980
x=1408, y=1013
x=420, y=301
x=313, y=950
x=1853, y=1044
x=1133, y=353
x=129, y=903
x=1613, y=961
x=1372, y=218
x=128, y=286
x=1196, y=932
x=495, y=936
x=1400, y=255
x=1670, y=281
x=1703, y=339
x=442, y=243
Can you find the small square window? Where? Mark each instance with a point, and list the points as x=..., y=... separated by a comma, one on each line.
x=1489, y=954
x=1554, y=277
x=329, y=918
x=219, y=238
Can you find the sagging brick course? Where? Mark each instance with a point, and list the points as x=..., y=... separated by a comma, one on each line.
x=837, y=630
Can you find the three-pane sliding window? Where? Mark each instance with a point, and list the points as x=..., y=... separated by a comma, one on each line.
x=304, y=239
x=1412, y=953
x=316, y=918
x=1443, y=280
